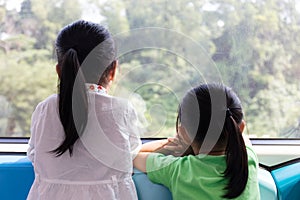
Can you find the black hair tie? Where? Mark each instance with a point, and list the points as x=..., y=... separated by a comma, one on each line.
x=228, y=113
x=73, y=49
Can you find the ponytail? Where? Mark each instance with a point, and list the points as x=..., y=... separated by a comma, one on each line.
x=72, y=94
x=237, y=159
x=198, y=104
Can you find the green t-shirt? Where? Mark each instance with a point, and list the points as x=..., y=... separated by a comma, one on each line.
x=199, y=177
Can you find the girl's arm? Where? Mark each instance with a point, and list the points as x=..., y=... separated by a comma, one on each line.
x=140, y=161
x=170, y=146
x=153, y=145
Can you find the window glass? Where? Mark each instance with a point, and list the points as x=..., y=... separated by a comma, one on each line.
x=165, y=48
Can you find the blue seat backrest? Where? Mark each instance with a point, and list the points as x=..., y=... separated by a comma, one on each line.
x=16, y=177
x=147, y=190
x=287, y=180
x=267, y=186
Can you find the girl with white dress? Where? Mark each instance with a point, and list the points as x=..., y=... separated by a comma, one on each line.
x=83, y=140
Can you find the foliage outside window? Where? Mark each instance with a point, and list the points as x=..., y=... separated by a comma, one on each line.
x=253, y=44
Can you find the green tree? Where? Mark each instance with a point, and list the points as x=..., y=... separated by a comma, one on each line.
x=27, y=70
x=252, y=45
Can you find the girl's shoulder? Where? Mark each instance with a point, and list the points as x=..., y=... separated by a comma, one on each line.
x=50, y=102
x=47, y=107
x=51, y=99
x=251, y=154
x=115, y=103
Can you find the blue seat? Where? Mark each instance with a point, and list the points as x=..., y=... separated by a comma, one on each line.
x=287, y=180
x=147, y=190
x=16, y=177
x=267, y=186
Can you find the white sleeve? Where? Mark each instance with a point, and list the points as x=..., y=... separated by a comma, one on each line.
x=33, y=129
x=134, y=132
x=30, y=150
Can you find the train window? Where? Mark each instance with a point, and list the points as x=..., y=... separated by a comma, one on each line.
x=165, y=47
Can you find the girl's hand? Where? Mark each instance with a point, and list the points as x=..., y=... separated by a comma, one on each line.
x=175, y=146
x=179, y=146
x=153, y=146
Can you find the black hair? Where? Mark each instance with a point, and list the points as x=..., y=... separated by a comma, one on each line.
x=202, y=113
x=74, y=44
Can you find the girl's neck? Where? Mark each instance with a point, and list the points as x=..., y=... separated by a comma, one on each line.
x=216, y=151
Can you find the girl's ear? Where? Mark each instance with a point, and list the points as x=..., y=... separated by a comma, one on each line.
x=58, y=70
x=242, y=126
x=112, y=73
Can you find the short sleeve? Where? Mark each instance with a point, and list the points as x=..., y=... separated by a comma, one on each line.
x=33, y=129
x=252, y=157
x=31, y=150
x=253, y=183
x=40, y=122
x=160, y=168
x=134, y=132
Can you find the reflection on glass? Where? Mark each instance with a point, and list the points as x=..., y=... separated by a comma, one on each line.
x=251, y=46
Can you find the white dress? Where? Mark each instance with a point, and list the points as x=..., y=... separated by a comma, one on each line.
x=101, y=164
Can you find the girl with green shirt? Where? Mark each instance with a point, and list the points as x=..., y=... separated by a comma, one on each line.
x=215, y=162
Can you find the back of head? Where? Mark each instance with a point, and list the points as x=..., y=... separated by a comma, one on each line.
x=84, y=52
x=211, y=114
x=92, y=44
